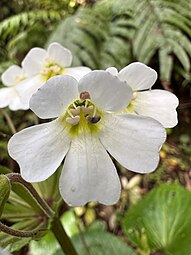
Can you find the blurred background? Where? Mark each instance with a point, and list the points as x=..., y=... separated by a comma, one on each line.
x=101, y=34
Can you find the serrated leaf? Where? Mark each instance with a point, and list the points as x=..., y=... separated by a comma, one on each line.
x=162, y=220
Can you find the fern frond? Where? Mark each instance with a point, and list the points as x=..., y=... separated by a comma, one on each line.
x=105, y=38
x=159, y=33
x=114, y=33
x=15, y=24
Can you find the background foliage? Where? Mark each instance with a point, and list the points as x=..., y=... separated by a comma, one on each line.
x=101, y=34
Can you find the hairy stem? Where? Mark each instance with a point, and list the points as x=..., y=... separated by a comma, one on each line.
x=15, y=177
x=18, y=233
x=56, y=225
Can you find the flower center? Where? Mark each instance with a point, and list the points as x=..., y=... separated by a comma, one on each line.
x=83, y=116
x=50, y=70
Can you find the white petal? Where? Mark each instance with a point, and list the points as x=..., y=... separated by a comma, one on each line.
x=4, y=252
x=77, y=72
x=34, y=61
x=39, y=150
x=16, y=104
x=28, y=87
x=134, y=141
x=59, y=54
x=106, y=90
x=89, y=174
x=9, y=97
x=54, y=97
x=138, y=76
x=11, y=75
x=112, y=70
x=158, y=104
x=6, y=96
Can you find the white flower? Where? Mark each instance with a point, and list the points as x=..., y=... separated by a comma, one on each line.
x=41, y=64
x=4, y=252
x=85, y=129
x=12, y=78
x=158, y=104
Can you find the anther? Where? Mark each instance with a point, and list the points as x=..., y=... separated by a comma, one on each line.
x=87, y=110
x=76, y=111
x=93, y=120
x=84, y=95
x=73, y=121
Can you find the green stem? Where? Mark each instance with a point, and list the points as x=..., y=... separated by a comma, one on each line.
x=9, y=121
x=18, y=233
x=81, y=234
x=14, y=177
x=56, y=225
x=62, y=237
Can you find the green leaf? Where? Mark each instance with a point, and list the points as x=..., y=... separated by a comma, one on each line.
x=98, y=242
x=162, y=220
x=5, y=188
x=69, y=222
x=101, y=243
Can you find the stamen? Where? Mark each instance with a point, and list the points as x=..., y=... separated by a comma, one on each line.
x=84, y=95
x=70, y=113
x=93, y=119
x=94, y=113
x=74, y=105
x=73, y=121
x=87, y=110
x=75, y=111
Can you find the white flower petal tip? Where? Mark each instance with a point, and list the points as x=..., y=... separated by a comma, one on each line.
x=39, y=150
x=106, y=90
x=138, y=76
x=59, y=54
x=10, y=98
x=77, y=72
x=158, y=104
x=112, y=70
x=34, y=61
x=134, y=141
x=89, y=174
x=52, y=99
x=12, y=75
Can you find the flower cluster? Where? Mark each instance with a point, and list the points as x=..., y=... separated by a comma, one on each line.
x=94, y=114
x=36, y=68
